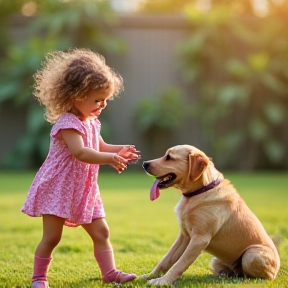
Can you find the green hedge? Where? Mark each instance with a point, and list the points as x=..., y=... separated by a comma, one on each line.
x=239, y=66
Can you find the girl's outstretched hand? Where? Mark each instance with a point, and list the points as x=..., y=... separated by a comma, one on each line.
x=130, y=153
x=118, y=163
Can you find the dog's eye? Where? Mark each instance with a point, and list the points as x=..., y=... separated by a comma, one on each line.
x=168, y=157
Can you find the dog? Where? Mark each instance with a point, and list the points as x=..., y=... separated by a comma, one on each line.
x=212, y=217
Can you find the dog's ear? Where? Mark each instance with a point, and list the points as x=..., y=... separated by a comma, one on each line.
x=197, y=165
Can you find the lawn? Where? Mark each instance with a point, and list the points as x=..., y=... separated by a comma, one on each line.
x=141, y=231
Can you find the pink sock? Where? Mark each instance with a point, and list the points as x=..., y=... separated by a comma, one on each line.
x=105, y=260
x=109, y=272
x=41, y=267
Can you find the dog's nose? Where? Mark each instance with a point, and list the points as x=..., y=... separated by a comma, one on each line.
x=145, y=165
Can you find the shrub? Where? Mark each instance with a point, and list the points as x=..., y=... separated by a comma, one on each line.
x=51, y=25
x=237, y=65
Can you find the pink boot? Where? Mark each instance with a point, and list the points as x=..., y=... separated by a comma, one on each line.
x=116, y=276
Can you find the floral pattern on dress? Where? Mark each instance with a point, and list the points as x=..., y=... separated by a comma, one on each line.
x=64, y=186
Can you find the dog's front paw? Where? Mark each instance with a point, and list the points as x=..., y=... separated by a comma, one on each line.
x=146, y=276
x=160, y=281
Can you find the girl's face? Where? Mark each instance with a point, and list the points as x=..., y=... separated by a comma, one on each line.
x=93, y=104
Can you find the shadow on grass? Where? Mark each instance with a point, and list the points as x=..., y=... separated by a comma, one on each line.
x=187, y=280
x=207, y=280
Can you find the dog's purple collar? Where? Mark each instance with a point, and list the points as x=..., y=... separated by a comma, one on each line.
x=203, y=189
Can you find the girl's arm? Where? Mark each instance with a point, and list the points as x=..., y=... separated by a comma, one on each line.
x=104, y=147
x=76, y=146
x=128, y=152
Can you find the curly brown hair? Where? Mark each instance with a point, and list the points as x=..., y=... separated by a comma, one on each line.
x=69, y=76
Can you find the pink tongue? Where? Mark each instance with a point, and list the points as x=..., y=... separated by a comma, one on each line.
x=154, y=191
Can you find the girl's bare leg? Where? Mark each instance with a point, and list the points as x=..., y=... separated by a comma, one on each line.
x=52, y=233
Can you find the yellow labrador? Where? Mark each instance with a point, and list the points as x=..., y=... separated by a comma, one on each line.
x=212, y=217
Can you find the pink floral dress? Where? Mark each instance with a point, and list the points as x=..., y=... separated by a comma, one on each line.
x=64, y=186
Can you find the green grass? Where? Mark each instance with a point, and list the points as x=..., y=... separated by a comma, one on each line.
x=141, y=231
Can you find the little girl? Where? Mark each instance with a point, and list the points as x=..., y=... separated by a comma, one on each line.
x=74, y=88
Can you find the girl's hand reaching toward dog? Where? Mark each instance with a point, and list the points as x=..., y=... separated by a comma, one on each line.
x=118, y=163
x=130, y=153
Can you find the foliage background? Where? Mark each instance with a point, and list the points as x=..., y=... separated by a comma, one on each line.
x=239, y=71
x=233, y=58
x=47, y=26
